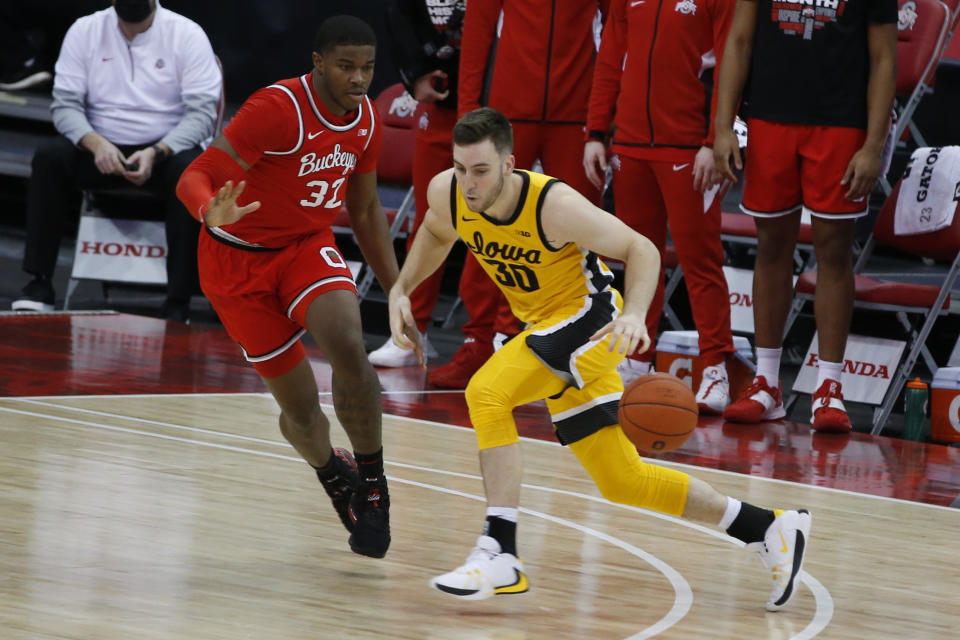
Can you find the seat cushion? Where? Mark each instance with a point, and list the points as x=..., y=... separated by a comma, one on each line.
x=872, y=290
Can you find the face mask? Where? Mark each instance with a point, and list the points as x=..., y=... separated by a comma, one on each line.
x=133, y=10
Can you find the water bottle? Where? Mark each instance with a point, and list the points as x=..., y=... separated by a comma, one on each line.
x=915, y=411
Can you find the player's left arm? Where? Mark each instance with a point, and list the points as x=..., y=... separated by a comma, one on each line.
x=864, y=168
x=569, y=217
x=369, y=224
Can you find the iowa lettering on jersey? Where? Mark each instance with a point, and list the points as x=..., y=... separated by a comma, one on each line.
x=508, y=260
x=311, y=163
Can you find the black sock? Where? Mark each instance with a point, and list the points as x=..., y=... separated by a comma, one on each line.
x=503, y=531
x=329, y=469
x=751, y=523
x=370, y=466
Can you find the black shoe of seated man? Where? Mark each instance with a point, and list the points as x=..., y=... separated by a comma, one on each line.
x=341, y=485
x=26, y=76
x=370, y=511
x=37, y=295
x=175, y=311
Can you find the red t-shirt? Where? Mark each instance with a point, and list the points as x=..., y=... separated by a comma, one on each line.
x=301, y=157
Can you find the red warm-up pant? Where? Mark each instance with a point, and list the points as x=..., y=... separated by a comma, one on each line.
x=650, y=193
x=433, y=153
x=560, y=149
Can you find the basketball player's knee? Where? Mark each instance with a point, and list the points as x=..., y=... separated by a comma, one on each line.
x=614, y=484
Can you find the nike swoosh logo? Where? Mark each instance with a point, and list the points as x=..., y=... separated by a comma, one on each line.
x=680, y=167
x=311, y=136
x=465, y=219
x=106, y=59
x=783, y=541
x=633, y=4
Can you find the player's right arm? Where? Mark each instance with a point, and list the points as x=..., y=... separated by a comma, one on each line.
x=212, y=184
x=433, y=242
x=734, y=68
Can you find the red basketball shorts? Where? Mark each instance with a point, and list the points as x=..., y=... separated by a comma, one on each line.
x=789, y=166
x=262, y=296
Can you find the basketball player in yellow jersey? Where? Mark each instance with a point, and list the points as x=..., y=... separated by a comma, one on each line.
x=539, y=240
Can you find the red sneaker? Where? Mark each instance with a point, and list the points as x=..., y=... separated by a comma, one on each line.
x=465, y=362
x=828, y=412
x=758, y=403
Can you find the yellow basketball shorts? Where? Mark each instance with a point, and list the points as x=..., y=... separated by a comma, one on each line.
x=555, y=360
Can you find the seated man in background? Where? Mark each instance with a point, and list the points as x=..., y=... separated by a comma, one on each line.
x=135, y=93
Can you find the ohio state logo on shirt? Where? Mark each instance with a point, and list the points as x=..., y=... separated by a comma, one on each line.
x=907, y=16
x=804, y=17
x=687, y=7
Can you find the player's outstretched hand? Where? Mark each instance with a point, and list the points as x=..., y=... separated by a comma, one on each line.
x=403, y=328
x=223, y=208
x=628, y=334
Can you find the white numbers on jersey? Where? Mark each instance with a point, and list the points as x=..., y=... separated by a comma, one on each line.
x=318, y=196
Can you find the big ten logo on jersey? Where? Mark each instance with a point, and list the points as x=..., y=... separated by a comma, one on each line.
x=403, y=106
x=510, y=261
x=804, y=17
x=686, y=7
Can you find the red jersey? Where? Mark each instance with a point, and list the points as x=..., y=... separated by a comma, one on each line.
x=300, y=158
x=544, y=57
x=648, y=71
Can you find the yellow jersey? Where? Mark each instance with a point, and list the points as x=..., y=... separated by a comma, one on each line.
x=536, y=278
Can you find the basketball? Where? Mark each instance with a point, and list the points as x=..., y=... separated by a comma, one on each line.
x=658, y=412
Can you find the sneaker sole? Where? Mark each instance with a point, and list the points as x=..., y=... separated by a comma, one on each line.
x=776, y=413
x=803, y=538
x=522, y=585
x=370, y=552
x=32, y=80
x=31, y=305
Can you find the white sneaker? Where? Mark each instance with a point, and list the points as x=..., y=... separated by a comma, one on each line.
x=630, y=369
x=390, y=355
x=487, y=572
x=782, y=551
x=714, y=393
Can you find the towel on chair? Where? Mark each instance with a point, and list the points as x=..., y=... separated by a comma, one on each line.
x=929, y=191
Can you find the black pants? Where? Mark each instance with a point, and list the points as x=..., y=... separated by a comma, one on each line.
x=61, y=170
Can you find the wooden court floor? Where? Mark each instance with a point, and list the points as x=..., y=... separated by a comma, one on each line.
x=182, y=513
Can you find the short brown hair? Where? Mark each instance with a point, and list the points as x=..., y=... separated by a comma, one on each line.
x=481, y=124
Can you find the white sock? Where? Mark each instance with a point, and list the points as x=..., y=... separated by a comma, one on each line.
x=828, y=371
x=768, y=365
x=505, y=513
x=733, y=510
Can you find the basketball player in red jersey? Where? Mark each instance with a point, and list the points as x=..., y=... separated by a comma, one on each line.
x=267, y=191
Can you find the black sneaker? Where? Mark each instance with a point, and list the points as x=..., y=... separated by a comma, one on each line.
x=176, y=311
x=370, y=510
x=342, y=484
x=26, y=76
x=38, y=295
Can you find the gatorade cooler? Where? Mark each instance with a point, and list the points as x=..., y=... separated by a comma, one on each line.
x=678, y=353
x=945, y=412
